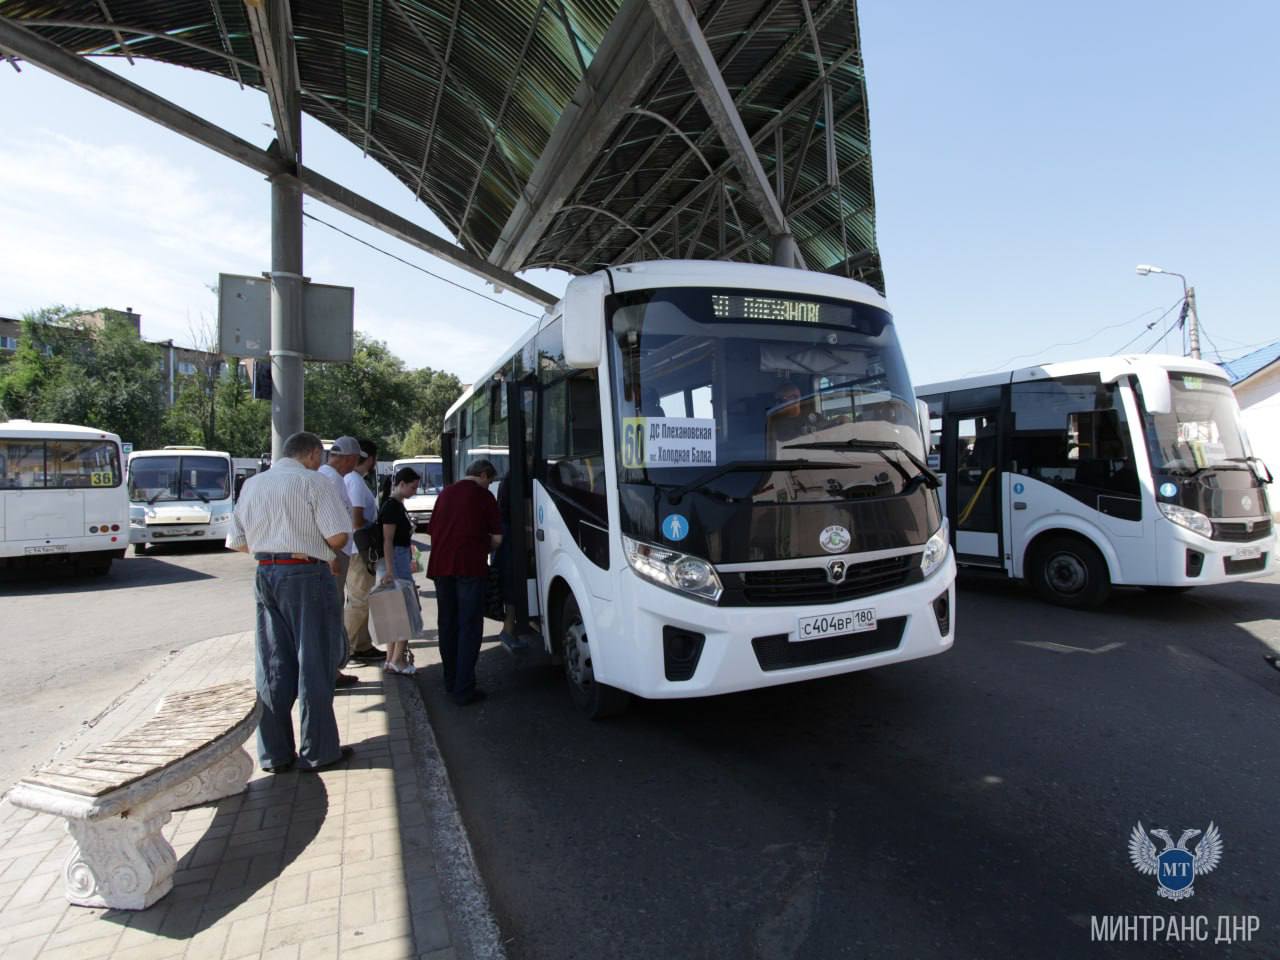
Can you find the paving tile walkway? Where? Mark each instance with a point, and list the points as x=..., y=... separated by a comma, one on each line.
x=306, y=866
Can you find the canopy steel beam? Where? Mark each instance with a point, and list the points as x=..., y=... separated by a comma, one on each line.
x=690, y=102
x=622, y=66
x=797, y=42
x=36, y=50
x=785, y=114
x=516, y=76
x=272, y=27
x=681, y=27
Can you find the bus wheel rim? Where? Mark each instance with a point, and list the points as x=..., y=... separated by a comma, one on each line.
x=575, y=654
x=1067, y=573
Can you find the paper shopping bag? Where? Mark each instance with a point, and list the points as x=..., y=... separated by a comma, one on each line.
x=388, y=615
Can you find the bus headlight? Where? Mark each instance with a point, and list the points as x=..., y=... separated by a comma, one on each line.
x=220, y=518
x=935, y=551
x=1193, y=520
x=670, y=568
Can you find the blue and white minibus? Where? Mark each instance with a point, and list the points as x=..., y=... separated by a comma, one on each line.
x=723, y=482
x=1117, y=470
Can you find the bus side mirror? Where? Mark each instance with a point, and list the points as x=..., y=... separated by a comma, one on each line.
x=583, y=324
x=922, y=414
x=1157, y=396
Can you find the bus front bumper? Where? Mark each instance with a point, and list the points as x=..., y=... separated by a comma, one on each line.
x=1187, y=559
x=746, y=648
x=177, y=532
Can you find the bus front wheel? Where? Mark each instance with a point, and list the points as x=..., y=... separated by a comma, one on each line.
x=594, y=699
x=1070, y=572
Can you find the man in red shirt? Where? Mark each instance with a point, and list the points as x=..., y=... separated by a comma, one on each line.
x=465, y=527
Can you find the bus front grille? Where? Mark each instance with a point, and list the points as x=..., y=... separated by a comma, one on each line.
x=805, y=585
x=1241, y=531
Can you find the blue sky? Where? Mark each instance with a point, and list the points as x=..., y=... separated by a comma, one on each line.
x=1026, y=157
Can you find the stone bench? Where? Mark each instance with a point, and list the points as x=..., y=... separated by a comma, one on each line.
x=118, y=796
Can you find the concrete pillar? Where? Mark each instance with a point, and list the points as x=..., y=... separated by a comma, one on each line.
x=286, y=312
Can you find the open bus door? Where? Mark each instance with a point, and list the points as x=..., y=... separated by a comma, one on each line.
x=522, y=414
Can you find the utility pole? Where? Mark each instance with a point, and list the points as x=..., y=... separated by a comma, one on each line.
x=1193, y=323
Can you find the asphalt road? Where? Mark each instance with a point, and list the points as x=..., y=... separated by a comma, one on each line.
x=975, y=804
x=71, y=646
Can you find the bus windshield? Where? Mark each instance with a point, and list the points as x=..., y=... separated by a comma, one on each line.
x=156, y=479
x=706, y=379
x=1201, y=431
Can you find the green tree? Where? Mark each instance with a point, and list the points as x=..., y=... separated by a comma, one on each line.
x=193, y=418
x=24, y=376
x=244, y=424
x=434, y=393
x=65, y=372
x=371, y=397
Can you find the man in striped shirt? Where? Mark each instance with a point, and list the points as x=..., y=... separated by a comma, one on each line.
x=292, y=521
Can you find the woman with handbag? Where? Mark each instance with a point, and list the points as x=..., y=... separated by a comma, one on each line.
x=396, y=566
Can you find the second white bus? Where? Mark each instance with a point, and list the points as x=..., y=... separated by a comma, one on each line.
x=179, y=494
x=62, y=496
x=1119, y=470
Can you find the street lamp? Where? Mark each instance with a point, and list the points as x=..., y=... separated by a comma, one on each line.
x=1189, y=305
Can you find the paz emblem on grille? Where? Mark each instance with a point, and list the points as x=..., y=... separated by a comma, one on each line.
x=835, y=571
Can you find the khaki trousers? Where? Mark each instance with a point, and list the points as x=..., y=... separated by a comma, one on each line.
x=355, y=615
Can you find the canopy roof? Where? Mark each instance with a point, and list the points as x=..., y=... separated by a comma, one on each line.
x=557, y=133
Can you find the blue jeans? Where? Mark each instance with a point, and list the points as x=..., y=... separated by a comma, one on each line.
x=299, y=646
x=460, y=607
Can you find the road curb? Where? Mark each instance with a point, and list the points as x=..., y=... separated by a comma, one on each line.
x=476, y=935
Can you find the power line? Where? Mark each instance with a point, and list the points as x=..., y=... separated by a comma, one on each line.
x=1071, y=343
x=1148, y=327
x=408, y=263
x=1167, y=330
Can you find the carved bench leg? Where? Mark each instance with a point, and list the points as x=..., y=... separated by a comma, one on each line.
x=225, y=778
x=122, y=862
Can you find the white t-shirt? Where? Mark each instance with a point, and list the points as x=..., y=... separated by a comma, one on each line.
x=335, y=478
x=362, y=496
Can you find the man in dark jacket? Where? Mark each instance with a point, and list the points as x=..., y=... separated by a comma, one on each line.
x=465, y=528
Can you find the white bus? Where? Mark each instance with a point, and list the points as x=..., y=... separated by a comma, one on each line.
x=179, y=494
x=431, y=470
x=1121, y=470
x=686, y=526
x=62, y=496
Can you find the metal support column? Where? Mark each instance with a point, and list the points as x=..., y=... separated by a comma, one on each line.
x=287, y=342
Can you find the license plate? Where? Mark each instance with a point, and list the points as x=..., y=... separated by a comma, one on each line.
x=1247, y=553
x=47, y=548
x=835, y=624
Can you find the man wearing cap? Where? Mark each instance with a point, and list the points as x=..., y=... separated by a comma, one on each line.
x=364, y=509
x=291, y=520
x=343, y=456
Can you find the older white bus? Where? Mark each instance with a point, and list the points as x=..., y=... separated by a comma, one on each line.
x=179, y=494
x=62, y=496
x=722, y=482
x=1119, y=470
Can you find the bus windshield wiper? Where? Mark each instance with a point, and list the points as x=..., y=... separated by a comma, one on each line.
x=200, y=495
x=155, y=496
x=881, y=447
x=1254, y=463
x=740, y=466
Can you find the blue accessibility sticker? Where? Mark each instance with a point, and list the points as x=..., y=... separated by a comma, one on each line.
x=675, y=527
x=1019, y=487
x=1168, y=489
x=542, y=514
